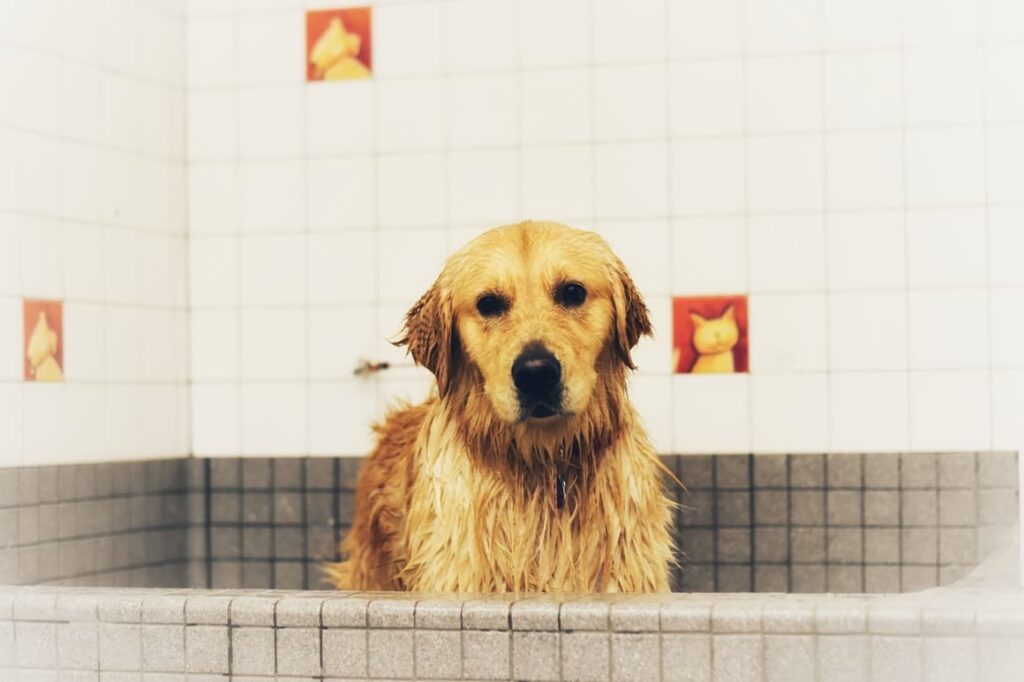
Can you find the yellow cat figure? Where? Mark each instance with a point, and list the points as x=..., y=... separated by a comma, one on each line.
x=42, y=346
x=714, y=340
x=335, y=51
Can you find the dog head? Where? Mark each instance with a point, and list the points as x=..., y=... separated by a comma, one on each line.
x=536, y=317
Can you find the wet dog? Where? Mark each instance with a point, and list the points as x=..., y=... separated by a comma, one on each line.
x=528, y=468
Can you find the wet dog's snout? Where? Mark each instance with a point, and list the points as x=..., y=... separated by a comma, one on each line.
x=538, y=378
x=536, y=371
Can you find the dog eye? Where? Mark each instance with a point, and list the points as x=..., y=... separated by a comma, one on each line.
x=491, y=305
x=571, y=295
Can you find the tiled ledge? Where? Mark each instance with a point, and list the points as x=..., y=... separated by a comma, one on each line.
x=966, y=634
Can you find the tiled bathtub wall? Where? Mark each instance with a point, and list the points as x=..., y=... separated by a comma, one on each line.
x=119, y=524
x=336, y=636
x=766, y=523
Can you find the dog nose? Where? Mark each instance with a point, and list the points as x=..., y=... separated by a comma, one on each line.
x=536, y=371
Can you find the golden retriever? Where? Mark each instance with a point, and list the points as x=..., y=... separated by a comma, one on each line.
x=528, y=469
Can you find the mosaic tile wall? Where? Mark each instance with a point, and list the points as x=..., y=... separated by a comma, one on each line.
x=119, y=524
x=776, y=523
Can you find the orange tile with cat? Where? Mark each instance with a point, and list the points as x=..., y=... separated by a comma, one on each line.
x=709, y=335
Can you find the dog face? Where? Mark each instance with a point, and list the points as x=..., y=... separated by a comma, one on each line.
x=533, y=316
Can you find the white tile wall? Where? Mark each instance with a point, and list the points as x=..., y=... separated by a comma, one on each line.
x=92, y=212
x=852, y=166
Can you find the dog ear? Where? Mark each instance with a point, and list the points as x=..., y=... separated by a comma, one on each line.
x=632, y=319
x=430, y=335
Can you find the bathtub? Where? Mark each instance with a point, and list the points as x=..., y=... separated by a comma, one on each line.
x=830, y=567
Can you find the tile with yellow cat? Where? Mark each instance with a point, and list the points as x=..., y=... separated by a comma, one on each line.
x=44, y=340
x=709, y=334
x=339, y=44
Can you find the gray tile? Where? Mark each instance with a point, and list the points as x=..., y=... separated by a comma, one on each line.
x=958, y=470
x=881, y=470
x=252, y=650
x=916, y=578
x=288, y=507
x=771, y=544
x=685, y=614
x=257, y=543
x=696, y=471
x=164, y=608
x=807, y=578
x=733, y=508
x=736, y=615
x=807, y=544
x=586, y=656
x=225, y=473
x=345, y=612
x=486, y=614
x=290, y=575
x=997, y=506
x=77, y=646
x=732, y=472
x=919, y=470
x=807, y=507
x=256, y=506
x=206, y=649
x=288, y=473
x=919, y=545
x=771, y=507
x=226, y=543
x=771, y=578
x=686, y=657
x=539, y=613
x=344, y=653
x=807, y=471
x=585, y=615
x=28, y=485
x=737, y=658
x=298, y=612
x=788, y=658
x=734, y=578
x=698, y=545
x=36, y=644
x=438, y=654
x=257, y=472
x=226, y=574
x=958, y=507
x=485, y=655
x=919, y=507
x=163, y=648
x=257, y=575
x=881, y=507
x=770, y=471
x=391, y=653
x=958, y=546
x=734, y=545
x=844, y=470
x=997, y=470
x=790, y=616
x=881, y=545
x=298, y=651
x=843, y=658
x=439, y=614
x=635, y=657
x=949, y=658
x=391, y=613
x=844, y=579
x=844, y=508
x=882, y=579
x=253, y=610
x=535, y=656
x=845, y=545
x=225, y=507
x=120, y=646
x=698, y=578
x=697, y=509
x=208, y=609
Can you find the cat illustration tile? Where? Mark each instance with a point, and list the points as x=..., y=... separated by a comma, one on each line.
x=339, y=44
x=710, y=335
x=44, y=340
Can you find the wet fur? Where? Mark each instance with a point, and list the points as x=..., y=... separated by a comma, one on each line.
x=458, y=497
